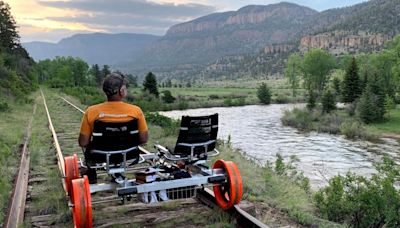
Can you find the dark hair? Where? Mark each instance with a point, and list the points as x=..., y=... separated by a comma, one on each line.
x=113, y=83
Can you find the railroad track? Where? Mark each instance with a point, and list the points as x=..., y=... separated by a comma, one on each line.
x=64, y=123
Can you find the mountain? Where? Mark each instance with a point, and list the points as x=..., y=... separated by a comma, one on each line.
x=254, y=40
x=374, y=16
x=100, y=48
x=239, y=42
x=247, y=30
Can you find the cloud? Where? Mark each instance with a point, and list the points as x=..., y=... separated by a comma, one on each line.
x=134, y=16
x=135, y=7
x=31, y=33
x=118, y=20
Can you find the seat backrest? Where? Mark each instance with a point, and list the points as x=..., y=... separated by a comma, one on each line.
x=200, y=132
x=114, y=136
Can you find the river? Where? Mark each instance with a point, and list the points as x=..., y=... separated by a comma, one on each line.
x=259, y=133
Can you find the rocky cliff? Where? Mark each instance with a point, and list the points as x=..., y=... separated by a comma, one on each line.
x=278, y=48
x=247, y=30
x=342, y=42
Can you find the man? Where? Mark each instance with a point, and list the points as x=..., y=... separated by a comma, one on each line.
x=114, y=110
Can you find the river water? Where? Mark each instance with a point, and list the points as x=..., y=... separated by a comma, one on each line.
x=259, y=133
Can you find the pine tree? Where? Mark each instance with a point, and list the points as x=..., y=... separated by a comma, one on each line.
x=311, y=100
x=132, y=79
x=371, y=107
x=150, y=84
x=389, y=105
x=293, y=71
x=377, y=88
x=328, y=101
x=264, y=94
x=97, y=75
x=351, y=89
x=367, y=110
x=167, y=96
x=9, y=38
x=168, y=83
x=104, y=72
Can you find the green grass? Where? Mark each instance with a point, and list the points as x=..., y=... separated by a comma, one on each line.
x=48, y=197
x=336, y=122
x=218, y=94
x=391, y=126
x=339, y=122
x=13, y=123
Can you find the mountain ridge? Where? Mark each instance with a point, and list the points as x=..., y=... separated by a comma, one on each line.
x=247, y=38
x=100, y=48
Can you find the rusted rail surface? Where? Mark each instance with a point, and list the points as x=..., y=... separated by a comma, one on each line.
x=243, y=218
x=15, y=215
x=60, y=157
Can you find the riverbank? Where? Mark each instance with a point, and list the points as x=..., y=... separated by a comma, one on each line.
x=280, y=200
x=206, y=97
x=339, y=122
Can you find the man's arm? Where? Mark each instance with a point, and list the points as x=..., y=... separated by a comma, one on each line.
x=83, y=140
x=143, y=137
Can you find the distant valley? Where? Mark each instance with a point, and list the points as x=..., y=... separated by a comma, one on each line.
x=253, y=41
x=100, y=48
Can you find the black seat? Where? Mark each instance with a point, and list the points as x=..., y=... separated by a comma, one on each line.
x=197, y=136
x=113, y=139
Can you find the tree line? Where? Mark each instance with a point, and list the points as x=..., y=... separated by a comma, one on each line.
x=18, y=75
x=368, y=83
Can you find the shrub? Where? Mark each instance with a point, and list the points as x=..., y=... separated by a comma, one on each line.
x=170, y=126
x=86, y=94
x=280, y=168
x=367, y=108
x=182, y=105
x=213, y=96
x=311, y=101
x=298, y=118
x=352, y=129
x=228, y=102
x=167, y=97
x=150, y=84
x=328, y=101
x=264, y=94
x=389, y=105
x=4, y=106
x=289, y=169
x=282, y=99
x=330, y=123
x=363, y=202
x=356, y=130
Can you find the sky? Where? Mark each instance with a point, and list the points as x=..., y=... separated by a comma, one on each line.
x=52, y=20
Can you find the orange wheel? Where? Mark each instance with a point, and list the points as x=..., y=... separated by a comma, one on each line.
x=239, y=183
x=230, y=193
x=82, y=209
x=71, y=171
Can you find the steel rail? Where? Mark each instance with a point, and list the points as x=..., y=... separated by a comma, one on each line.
x=15, y=216
x=243, y=218
x=76, y=107
x=60, y=157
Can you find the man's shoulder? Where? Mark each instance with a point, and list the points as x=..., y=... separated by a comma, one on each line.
x=131, y=106
x=94, y=107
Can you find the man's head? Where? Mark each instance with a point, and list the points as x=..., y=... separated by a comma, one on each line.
x=114, y=86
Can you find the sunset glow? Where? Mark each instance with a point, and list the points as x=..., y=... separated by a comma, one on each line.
x=52, y=20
